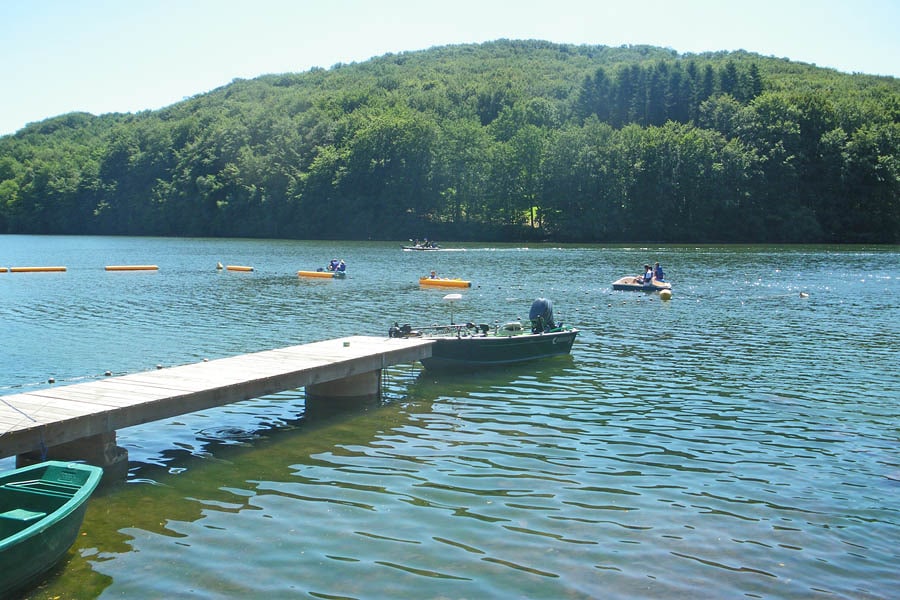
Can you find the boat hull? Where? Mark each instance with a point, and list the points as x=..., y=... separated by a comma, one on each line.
x=42, y=507
x=472, y=352
x=439, y=282
x=627, y=284
x=323, y=274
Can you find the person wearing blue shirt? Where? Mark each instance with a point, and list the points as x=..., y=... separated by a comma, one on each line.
x=658, y=273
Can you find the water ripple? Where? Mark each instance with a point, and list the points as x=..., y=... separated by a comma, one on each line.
x=738, y=441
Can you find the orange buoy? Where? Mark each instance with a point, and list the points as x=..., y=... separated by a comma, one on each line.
x=3, y=269
x=238, y=268
x=35, y=269
x=131, y=267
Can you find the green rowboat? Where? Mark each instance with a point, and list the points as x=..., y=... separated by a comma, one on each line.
x=42, y=507
x=470, y=346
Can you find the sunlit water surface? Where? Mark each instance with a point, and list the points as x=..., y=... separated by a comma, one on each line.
x=738, y=441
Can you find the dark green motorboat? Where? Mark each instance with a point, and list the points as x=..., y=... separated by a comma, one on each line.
x=470, y=346
x=42, y=507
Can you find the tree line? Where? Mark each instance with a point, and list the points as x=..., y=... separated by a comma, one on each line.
x=509, y=140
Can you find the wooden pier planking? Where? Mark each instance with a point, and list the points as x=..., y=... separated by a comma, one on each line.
x=110, y=396
x=62, y=414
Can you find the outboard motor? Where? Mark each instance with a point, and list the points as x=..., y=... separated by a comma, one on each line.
x=541, y=315
x=400, y=332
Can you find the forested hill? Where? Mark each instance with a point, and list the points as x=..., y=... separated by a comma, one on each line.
x=508, y=140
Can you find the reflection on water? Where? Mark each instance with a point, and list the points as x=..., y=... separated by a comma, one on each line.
x=737, y=441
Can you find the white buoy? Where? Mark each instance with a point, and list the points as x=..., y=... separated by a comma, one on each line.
x=665, y=294
x=804, y=295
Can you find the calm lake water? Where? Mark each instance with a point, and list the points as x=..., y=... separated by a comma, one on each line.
x=738, y=441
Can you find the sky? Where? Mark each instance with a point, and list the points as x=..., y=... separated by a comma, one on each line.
x=102, y=56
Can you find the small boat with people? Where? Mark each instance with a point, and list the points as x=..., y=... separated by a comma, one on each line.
x=637, y=284
x=652, y=280
x=421, y=246
x=336, y=269
x=323, y=274
x=466, y=346
x=42, y=507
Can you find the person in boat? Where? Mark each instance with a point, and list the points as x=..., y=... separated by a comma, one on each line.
x=341, y=266
x=658, y=273
x=646, y=278
x=333, y=265
x=433, y=275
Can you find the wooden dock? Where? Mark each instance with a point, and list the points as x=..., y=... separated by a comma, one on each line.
x=32, y=422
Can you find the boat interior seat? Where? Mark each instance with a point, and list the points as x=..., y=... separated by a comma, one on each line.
x=23, y=515
x=512, y=328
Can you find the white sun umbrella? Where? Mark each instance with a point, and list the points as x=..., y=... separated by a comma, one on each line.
x=451, y=298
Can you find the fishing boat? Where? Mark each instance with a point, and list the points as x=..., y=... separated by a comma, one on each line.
x=323, y=274
x=470, y=346
x=444, y=282
x=42, y=507
x=637, y=284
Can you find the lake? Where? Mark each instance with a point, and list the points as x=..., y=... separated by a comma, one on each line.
x=741, y=440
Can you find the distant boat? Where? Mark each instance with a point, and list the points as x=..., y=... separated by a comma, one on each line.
x=471, y=346
x=636, y=284
x=42, y=507
x=421, y=247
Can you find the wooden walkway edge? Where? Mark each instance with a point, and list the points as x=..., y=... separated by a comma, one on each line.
x=33, y=421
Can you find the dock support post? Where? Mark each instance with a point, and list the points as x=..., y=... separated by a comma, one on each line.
x=99, y=450
x=349, y=392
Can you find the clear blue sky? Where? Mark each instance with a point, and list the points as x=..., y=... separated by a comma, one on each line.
x=103, y=56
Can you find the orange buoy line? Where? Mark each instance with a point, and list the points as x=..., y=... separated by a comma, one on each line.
x=35, y=269
x=3, y=269
x=132, y=268
x=238, y=268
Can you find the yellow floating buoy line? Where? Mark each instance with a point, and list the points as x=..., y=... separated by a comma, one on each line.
x=238, y=268
x=132, y=268
x=3, y=269
x=35, y=269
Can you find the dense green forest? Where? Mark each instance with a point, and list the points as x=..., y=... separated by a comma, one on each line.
x=508, y=140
